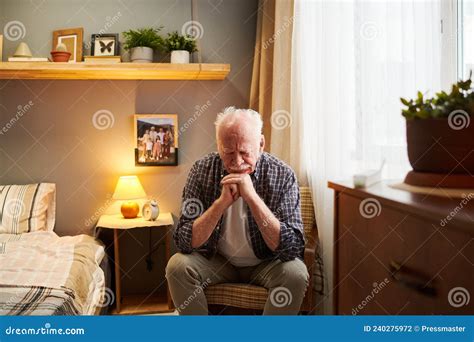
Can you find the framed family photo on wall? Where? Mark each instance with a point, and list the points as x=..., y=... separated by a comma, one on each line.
x=156, y=139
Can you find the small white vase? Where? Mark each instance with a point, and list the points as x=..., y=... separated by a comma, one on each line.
x=180, y=56
x=141, y=54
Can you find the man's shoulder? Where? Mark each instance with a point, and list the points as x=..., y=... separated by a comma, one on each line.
x=208, y=162
x=271, y=163
x=209, y=158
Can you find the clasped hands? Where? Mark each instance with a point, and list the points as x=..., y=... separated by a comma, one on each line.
x=235, y=185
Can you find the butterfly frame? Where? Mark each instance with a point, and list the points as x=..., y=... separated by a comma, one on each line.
x=104, y=44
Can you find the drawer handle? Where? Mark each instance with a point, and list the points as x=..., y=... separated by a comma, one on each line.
x=412, y=279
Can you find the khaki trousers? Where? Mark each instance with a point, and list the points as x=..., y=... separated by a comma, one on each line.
x=189, y=274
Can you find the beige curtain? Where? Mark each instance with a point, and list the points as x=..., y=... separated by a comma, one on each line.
x=273, y=93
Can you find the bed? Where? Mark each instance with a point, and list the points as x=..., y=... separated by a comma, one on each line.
x=42, y=273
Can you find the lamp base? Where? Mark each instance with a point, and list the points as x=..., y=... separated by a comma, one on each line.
x=129, y=209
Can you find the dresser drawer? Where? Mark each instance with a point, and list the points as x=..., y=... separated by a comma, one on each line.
x=394, y=262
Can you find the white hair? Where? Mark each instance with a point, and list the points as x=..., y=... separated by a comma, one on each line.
x=228, y=116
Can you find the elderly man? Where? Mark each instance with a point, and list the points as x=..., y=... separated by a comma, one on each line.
x=240, y=222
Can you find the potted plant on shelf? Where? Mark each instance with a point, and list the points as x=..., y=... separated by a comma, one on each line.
x=142, y=43
x=440, y=135
x=180, y=47
x=60, y=53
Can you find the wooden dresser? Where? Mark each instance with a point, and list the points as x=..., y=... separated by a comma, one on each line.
x=397, y=252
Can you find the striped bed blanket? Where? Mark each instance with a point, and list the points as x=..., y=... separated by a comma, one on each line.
x=44, y=274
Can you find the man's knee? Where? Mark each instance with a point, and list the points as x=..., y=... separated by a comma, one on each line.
x=287, y=287
x=295, y=273
x=179, y=265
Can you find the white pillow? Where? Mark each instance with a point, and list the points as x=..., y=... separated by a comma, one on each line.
x=27, y=208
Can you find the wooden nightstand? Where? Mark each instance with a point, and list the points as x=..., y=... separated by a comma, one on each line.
x=410, y=247
x=138, y=304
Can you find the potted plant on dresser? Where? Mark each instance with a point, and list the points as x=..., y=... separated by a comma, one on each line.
x=142, y=43
x=440, y=138
x=180, y=47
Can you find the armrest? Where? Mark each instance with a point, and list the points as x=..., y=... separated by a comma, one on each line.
x=310, y=251
x=312, y=243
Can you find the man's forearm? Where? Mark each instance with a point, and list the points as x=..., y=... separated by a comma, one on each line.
x=267, y=223
x=205, y=224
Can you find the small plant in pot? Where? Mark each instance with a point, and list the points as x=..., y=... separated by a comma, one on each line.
x=60, y=53
x=142, y=43
x=180, y=47
x=440, y=135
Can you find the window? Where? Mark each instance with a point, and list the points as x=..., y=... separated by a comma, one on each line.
x=465, y=51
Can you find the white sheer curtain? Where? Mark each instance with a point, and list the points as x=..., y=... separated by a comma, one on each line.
x=351, y=62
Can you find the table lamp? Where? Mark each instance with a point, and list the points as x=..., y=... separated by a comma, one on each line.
x=128, y=189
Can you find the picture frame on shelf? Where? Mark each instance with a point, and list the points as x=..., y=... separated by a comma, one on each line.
x=105, y=44
x=1, y=47
x=156, y=139
x=72, y=38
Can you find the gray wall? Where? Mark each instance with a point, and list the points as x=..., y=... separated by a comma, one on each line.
x=55, y=140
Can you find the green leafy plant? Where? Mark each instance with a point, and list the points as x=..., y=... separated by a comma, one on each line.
x=461, y=97
x=175, y=41
x=145, y=37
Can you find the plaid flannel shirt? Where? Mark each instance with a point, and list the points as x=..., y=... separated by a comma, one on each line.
x=273, y=180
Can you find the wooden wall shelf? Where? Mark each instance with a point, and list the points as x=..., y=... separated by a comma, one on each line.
x=113, y=71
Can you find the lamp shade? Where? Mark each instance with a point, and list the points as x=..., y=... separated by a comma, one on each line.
x=128, y=188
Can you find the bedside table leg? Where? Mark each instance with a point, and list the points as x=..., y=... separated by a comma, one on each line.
x=118, y=294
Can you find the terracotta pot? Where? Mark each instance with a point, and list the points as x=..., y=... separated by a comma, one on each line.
x=60, y=56
x=439, y=145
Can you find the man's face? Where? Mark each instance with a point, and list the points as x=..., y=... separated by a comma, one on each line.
x=239, y=148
